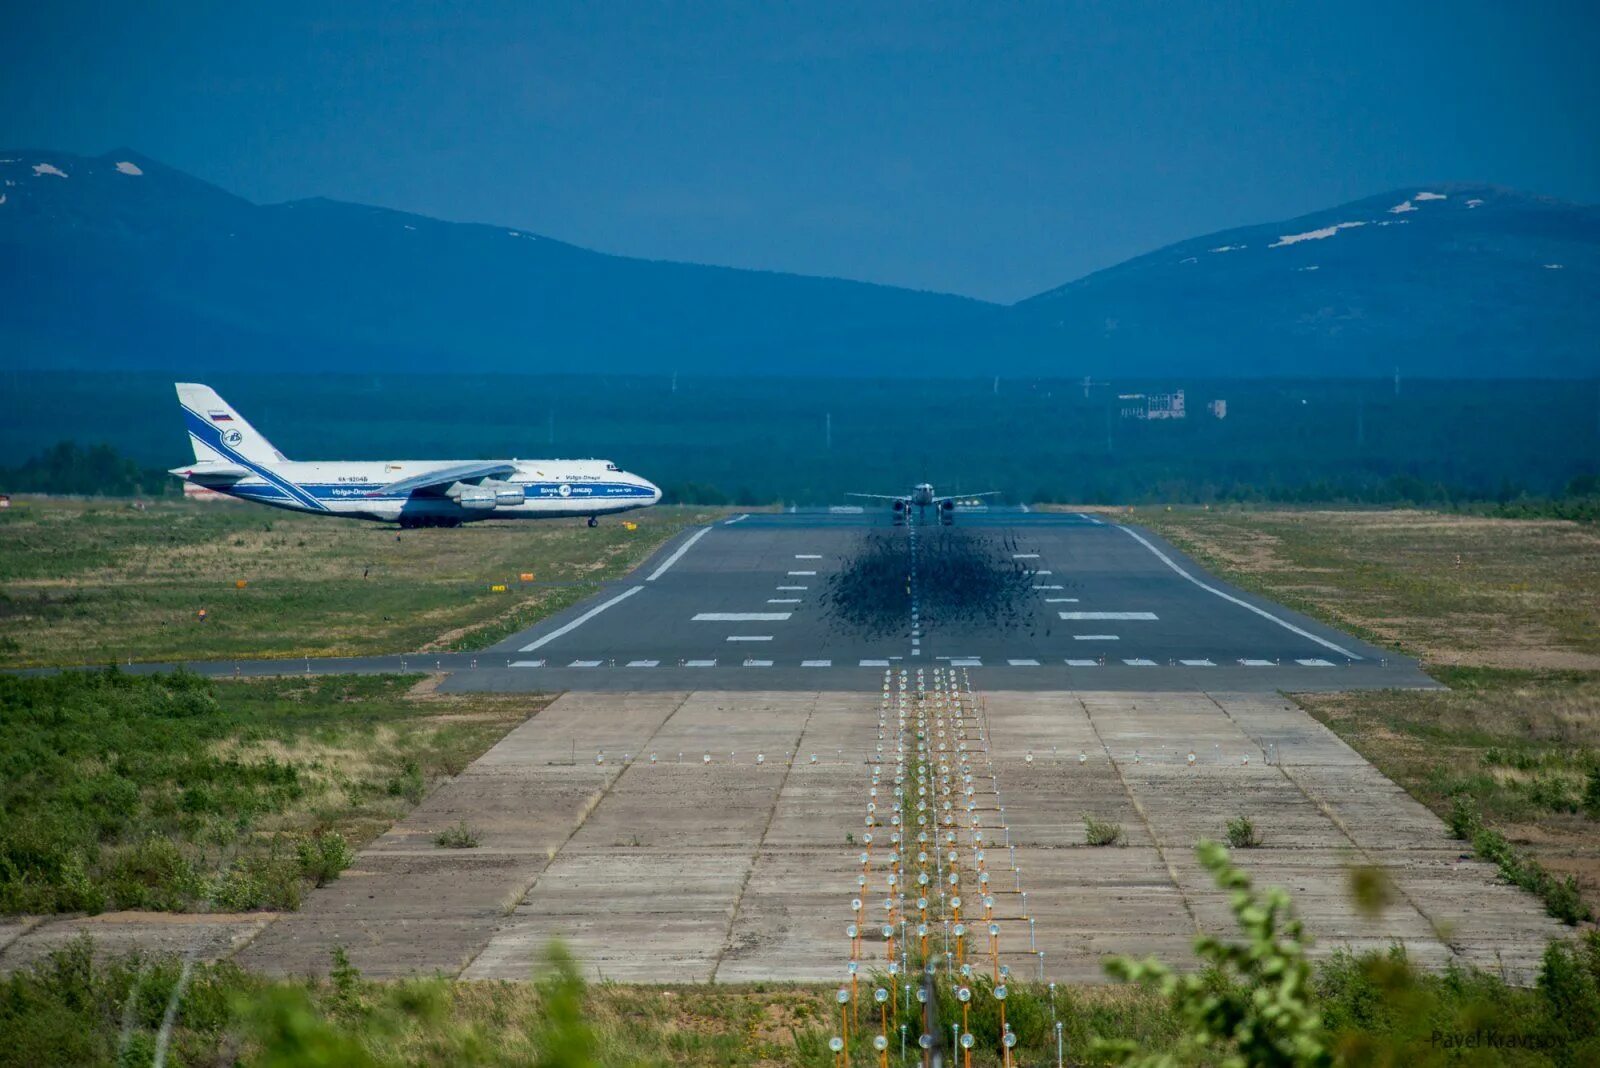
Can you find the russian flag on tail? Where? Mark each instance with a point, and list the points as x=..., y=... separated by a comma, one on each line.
x=220, y=417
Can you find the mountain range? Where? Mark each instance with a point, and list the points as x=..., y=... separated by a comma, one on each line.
x=117, y=262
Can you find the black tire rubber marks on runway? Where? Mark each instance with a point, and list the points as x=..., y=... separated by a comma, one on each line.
x=963, y=580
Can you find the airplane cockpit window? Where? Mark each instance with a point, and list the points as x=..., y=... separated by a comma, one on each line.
x=612, y=467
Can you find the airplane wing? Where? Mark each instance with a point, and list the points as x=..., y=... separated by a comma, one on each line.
x=964, y=496
x=444, y=476
x=882, y=496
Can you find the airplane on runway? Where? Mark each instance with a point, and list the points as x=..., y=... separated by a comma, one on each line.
x=231, y=457
x=922, y=497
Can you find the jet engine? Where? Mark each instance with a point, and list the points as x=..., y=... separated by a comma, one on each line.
x=900, y=512
x=947, y=512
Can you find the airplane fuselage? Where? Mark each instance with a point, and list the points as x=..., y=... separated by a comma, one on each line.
x=539, y=489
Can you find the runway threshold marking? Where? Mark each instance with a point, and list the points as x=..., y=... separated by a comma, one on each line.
x=1107, y=615
x=1262, y=612
x=678, y=554
x=741, y=617
x=581, y=620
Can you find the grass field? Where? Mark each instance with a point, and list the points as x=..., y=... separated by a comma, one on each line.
x=1449, y=589
x=1506, y=612
x=101, y=581
x=177, y=793
x=70, y=1009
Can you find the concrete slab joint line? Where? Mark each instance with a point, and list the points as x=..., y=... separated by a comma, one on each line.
x=583, y=817
x=761, y=842
x=1333, y=817
x=1144, y=818
x=1262, y=612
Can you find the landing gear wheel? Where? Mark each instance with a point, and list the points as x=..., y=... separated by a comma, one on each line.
x=594, y=521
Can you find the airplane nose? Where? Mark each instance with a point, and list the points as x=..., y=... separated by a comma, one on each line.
x=655, y=490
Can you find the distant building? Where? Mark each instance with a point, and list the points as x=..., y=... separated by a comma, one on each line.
x=5, y=500
x=1152, y=405
x=1218, y=408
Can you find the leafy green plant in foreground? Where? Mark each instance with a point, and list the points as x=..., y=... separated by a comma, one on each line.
x=1255, y=1003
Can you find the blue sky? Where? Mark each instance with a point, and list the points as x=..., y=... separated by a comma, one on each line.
x=988, y=149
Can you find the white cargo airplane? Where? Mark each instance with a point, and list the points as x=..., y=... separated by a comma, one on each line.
x=231, y=457
x=922, y=496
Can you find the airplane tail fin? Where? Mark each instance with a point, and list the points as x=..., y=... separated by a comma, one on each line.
x=218, y=432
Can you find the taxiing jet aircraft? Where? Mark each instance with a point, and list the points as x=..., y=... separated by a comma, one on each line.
x=231, y=457
x=922, y=496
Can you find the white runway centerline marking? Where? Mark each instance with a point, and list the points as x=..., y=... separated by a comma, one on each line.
x=1083, y=663
x=1257, y=663
x=783, y=600
x=758, y=663
x=1107, y=615
x=741, y=617
x=1096, y=637
x=1060, y=600
x=699, y=663
x=1314, y=662
x=1262, y=612
x=581, y=620
x=801, y=574
x=749, y=637
x=816, y=663
x=527, y=663
x=808, y=556
x=1023, y=663
x=584, y=663
x=970, y=661
x=785, y=589
x=1024, y=556
x=1197, y=663
x=1049, y=587
x=1140, y=661
x=1044, y=572
x=874, y=663
x=678, y=555
x=643, y=663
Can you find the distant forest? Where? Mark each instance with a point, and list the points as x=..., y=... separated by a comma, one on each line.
x=1506, y=445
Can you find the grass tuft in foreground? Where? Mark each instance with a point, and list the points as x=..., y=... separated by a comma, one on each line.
x=172, y=792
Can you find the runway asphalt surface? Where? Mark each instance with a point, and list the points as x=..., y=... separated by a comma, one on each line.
x=822, y=600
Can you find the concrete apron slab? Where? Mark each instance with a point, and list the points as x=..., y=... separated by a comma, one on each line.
x=688, y=869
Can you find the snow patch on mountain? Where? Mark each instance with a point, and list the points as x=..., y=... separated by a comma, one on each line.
x=1431, y=196
x=1554, y=266
x=1313, y=235
x=1228, y=248
x=124, y=167
x=1404, y=205
x=48, y=168
x=1313, y=267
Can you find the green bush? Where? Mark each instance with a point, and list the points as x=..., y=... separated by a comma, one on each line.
x=1242, y=834
x=458, y=837
x=323, y=856
x=1098, y=832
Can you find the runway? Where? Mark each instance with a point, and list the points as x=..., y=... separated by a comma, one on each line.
x=825, y=601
